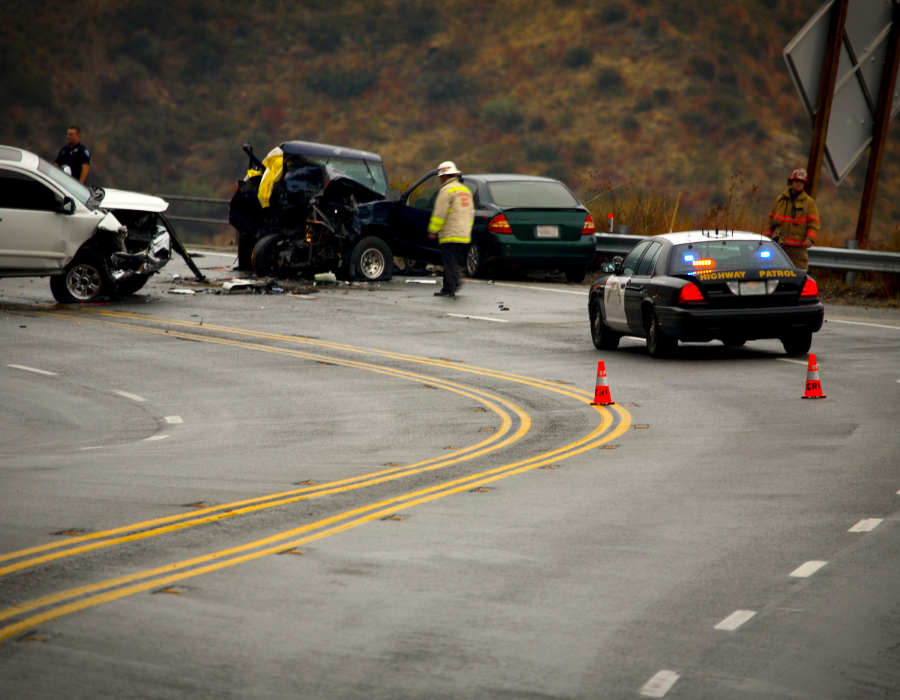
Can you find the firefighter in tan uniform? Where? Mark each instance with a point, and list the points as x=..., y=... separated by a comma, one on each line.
x=451, y=223
x=794, y=220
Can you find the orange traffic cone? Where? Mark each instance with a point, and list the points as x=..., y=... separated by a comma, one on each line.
x=601, y=393
x=813, y=385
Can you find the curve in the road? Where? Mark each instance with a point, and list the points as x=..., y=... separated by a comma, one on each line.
x=98, y=593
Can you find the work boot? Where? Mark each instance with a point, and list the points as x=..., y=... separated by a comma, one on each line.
x=445, y=293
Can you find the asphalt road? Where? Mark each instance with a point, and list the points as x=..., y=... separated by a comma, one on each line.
x=370, y=492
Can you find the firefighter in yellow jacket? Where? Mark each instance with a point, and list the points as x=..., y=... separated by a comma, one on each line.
x=451, y=223
x=794, y=220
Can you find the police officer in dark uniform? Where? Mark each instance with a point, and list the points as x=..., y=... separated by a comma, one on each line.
x=75, y=155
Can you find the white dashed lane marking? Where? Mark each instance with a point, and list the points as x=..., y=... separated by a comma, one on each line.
x=735, y=620
x=866, y=525
x=155, y=437
x=173, y=419
x=807, y=569
x=32, y=369
x=480, y=318
x=860, y=323
x=660, y=684
x=133, y=397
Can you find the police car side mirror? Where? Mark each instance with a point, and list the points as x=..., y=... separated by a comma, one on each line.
x=392, y=195
x=607, y=267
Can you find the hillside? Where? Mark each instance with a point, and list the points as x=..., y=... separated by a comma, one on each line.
x=637, y=94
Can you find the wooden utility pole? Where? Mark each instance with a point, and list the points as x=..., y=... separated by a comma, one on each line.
x=826, y=94
x=879, y=132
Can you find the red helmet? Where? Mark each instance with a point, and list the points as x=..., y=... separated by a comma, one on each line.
x=799, y=174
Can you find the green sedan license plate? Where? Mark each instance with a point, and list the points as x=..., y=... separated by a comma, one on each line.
x=547, y=231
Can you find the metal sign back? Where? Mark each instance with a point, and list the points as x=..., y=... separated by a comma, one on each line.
x=856, y=92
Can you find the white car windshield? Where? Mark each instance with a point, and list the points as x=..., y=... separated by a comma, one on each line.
x=67, y=182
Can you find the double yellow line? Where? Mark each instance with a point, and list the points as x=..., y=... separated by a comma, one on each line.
x=95, y=594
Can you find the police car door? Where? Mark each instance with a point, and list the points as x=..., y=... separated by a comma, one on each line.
x=614, y=289
x=636, y=287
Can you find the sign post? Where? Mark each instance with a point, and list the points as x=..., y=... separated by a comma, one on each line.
x=879, y=133
x=830, y=65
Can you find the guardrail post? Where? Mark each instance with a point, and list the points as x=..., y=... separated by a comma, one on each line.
x=850, y=277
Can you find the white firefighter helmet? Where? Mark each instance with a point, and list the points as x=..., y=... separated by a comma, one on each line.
x=448, y=167
x=799, y=174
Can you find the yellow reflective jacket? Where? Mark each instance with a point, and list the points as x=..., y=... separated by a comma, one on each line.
x=793, y=223
x=453, y=213
x=274, y=163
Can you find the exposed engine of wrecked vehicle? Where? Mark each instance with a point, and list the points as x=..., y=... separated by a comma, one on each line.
x=310, y=208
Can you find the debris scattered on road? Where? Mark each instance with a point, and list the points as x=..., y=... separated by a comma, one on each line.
x=325, y=278
x=421, y=281
x=239, y=284
x=182, y=291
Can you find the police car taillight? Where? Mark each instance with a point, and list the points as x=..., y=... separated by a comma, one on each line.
x=690, y=293
x=810, y=289
x=499, y=224
x=589, y=228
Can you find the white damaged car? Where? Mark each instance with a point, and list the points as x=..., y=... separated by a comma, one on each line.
x=91, y=242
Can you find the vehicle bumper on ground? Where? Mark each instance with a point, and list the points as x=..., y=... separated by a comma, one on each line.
x=701, y=325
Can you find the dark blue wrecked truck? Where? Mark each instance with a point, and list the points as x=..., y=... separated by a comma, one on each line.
x=308, y=208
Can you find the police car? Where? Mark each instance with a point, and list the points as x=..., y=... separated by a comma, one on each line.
x=699, y=286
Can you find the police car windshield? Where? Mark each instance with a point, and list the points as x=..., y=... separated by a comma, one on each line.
x=532, y=195
x=371, y=174
x=728, y=254
x=67, y=182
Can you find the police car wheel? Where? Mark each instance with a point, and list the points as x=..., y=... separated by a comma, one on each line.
x=85, y=279
x=797, y=344
x=603, y=336
x=372, y=260
x=658, y=343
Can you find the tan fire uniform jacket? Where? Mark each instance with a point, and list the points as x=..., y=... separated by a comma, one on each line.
x=453, y=213
x=793, y=224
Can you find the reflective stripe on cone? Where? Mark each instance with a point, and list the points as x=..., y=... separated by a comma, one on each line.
x=601, y=393
x=813, y=385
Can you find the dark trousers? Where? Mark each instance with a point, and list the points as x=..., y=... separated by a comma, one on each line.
x=450, y=255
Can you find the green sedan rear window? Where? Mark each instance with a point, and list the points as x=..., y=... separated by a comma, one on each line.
x=532, y=195
x=709, y=256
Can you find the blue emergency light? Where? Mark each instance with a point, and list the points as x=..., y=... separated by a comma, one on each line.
x=689, y=257
x=765, y=254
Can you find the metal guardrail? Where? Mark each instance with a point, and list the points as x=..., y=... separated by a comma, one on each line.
x=841, y=259
x=197, y=200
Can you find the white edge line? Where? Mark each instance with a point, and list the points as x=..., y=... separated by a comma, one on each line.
x=860, y=323
x=155, y=437
x=173, y=419
x=866, y=525
x=480, y=318
x=807, y=568
x=796, y=362
x=133, y=397
x=735, y=620
x=32, y=369
x=660, y=684
x=541, y=289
